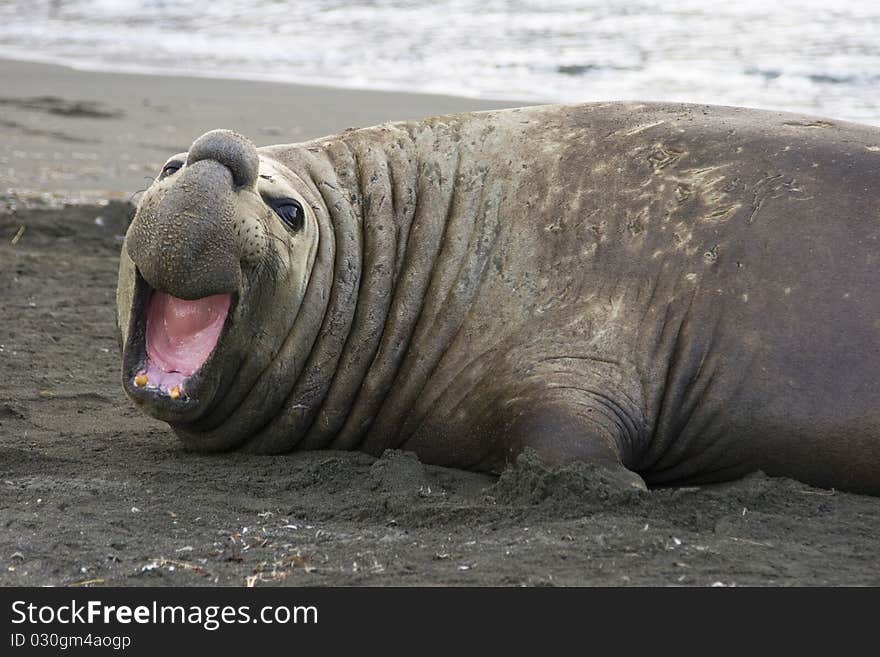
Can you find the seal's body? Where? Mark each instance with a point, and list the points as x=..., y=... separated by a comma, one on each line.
x=688, y=293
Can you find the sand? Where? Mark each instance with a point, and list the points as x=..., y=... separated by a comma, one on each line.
x=94, y=493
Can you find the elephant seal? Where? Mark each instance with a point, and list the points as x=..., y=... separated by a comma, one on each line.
x=675, y=292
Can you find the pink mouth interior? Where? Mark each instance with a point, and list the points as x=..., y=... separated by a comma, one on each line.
x=181, y=335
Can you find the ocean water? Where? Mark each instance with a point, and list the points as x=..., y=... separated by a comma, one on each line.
x=814, y=56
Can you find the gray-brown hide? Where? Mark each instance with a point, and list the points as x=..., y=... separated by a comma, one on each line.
x=688, y=291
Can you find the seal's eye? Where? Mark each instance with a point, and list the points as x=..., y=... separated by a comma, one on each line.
x=291, y=213
x=170, y=168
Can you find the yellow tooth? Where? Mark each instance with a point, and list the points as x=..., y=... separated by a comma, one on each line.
x=140, y=380
x=175, y=392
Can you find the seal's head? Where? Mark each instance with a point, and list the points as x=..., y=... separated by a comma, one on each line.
x=216, y=235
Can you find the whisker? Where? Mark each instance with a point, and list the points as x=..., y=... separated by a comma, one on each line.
x=133, y=194
x=152, y=180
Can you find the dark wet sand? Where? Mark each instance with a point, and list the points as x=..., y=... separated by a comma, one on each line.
x=93, y=492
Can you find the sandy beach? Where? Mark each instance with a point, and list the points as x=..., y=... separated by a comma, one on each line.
x=95, y=493
x=89, y=135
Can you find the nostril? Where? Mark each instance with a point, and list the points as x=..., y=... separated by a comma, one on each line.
x=232, y=150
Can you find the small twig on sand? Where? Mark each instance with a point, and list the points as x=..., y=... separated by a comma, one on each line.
x=182, y=565
x=749, y=541
x=87, y=582
x=18, y=235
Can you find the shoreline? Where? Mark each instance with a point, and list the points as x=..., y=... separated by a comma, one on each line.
x=85, y=66
x=80, y=135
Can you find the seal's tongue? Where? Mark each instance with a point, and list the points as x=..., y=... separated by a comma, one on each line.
x=182, y=334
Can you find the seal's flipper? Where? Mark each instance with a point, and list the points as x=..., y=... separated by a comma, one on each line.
x=561, y=433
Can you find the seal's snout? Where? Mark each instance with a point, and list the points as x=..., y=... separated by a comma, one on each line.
x=183, y=237
x=232, y=150
x=196, y=231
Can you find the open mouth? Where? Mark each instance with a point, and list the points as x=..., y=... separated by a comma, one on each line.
x=173, y=340
x=180, y=336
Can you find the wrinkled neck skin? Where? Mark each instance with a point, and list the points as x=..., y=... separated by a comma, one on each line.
x=402, y=241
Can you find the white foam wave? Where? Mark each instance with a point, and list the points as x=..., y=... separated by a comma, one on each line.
x=805, y=55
